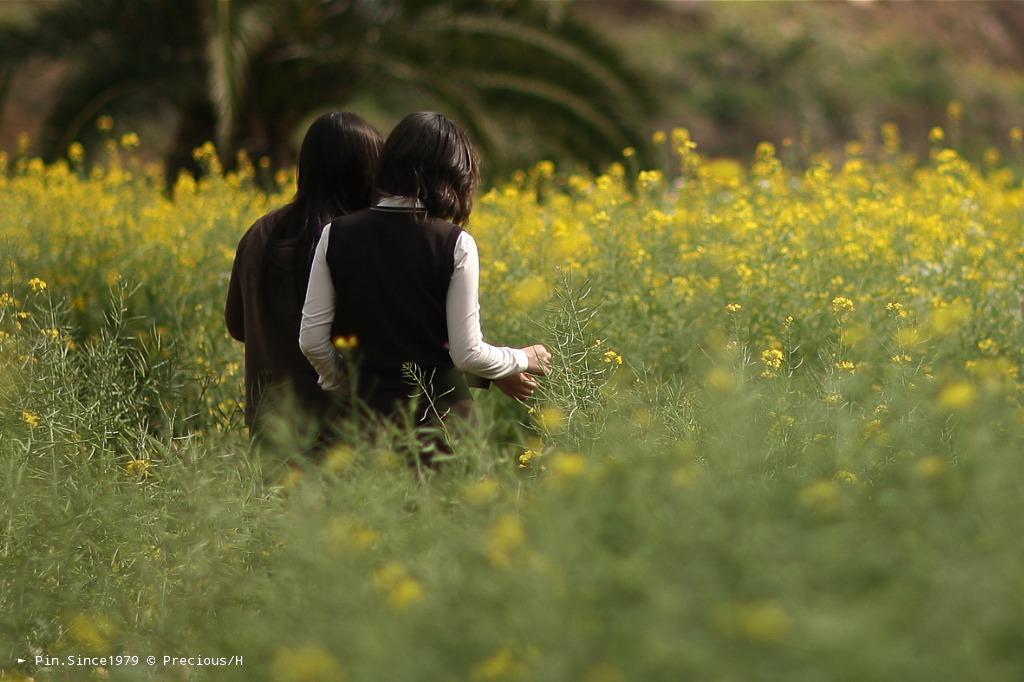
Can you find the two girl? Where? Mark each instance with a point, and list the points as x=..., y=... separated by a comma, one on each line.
x=396, y=281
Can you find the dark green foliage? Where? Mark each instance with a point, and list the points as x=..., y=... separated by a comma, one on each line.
x=249, y=73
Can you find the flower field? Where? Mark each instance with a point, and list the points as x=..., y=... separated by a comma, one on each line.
x=782, y=439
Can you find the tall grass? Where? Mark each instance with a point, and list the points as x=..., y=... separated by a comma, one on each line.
x=781, y=441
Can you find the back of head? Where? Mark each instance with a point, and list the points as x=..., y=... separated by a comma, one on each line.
x=337, y=166
x=430, y=158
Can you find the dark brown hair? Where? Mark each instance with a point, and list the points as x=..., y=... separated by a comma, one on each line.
x=430, y=158
x=337, y=165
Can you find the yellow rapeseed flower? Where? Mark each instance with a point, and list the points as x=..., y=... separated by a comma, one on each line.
x=844, y=476
x=958, y=396
x=339, y=458
x=528, y=293
x=130, y=141
x=842, y=305
x=91, y=632
x=76, y=152
x=482, y=492
x=505, y=538
x=346, y=343
x=551, y=419
x=612, y=358
x=821, y=495
x=567, y=465
x=765, y=622
x=503, y=665
x=138, y=467
x=305, y=663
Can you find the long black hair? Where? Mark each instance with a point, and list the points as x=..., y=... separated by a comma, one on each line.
x=430, y=158
x=337, y=164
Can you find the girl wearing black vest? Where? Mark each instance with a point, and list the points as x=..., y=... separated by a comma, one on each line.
x=337, y=163
x=397, y=284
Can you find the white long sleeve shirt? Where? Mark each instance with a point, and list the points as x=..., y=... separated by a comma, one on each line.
x=466, y=345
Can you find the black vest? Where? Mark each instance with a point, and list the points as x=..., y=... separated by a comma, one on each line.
x=391, y=269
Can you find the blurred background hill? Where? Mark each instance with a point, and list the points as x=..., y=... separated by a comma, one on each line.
x=573, y=81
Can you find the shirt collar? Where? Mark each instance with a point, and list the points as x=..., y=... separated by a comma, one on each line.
x=391, y=201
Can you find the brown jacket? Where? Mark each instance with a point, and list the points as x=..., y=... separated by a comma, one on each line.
x=267, y=320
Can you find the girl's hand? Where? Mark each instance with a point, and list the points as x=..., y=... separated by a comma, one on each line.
x=540, y=359
x=519, y=386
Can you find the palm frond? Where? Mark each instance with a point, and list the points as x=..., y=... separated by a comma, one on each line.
x=556, y=96
x=536, y=40
x=469, y=107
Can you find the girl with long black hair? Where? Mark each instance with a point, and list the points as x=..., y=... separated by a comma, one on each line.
x=398, y=283
x=337, y=164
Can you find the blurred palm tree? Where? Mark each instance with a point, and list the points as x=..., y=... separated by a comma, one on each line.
x=247, y=73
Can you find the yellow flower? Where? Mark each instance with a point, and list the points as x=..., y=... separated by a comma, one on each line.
x=529, y=293
x=292, y=478
x=659, y=137
x=545, y=169
x=948, y=317
x=721, y=380
x=611, y=357
x=628, y=152
x=551, y=419
x=958, y=396
x=339, y=459
x=846, y=366
x=305, y=663
x=76, y=152
x=105, y=123
x=936, y=134
x=130, y=141
x=955, y=110
x=138, y=467
x=821, y=495
x=842, y=305
x=930, y=467
x=988, y=346
x=408, y=591
x=501, y=666
x=344, y=533
x=345, y=343
x=527, y=457
x=29, y=418
x=91, y=632
x=772, y=359
x=567, y=465
x=402, y=590
x=36, y=284
x=482, y=492
x=765, y=621
x=733, y=308
x=506, y=536
x=844, y=476
x=1016, y=135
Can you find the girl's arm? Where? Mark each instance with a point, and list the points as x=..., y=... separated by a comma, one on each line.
x=317, y=318
x=466, y=344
